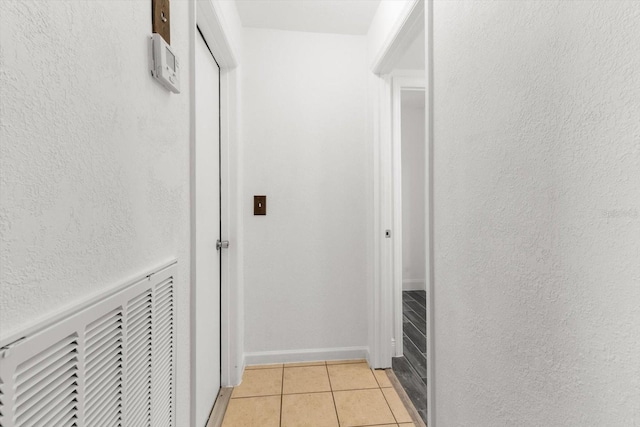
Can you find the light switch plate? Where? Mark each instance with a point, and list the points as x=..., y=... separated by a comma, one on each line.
x=259, y=205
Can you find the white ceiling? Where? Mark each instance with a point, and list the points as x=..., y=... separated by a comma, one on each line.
x=317, y=16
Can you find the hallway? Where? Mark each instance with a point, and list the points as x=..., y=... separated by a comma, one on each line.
x=531, y=206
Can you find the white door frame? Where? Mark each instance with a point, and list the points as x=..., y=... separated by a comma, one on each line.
x=400, y=82
x=207, y=16
x=417, y=16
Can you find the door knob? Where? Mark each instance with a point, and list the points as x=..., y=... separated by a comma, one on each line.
x=222, y=244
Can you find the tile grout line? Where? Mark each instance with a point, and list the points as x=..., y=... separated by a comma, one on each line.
x=420, y=319
x=404, y=310
x=405, y=294
x=281, y=395
x=376, y=378
x=413, y=323
x=385, y=398
x=417, y=329
x=326, y=363
x=406, y=336
x=413, y=369
x=414, y=344
x=333, y=397
x=419, y=315
x=407, y=309
x=307, y=392
x=375, y=425
x=389, y=406
x=305, y=366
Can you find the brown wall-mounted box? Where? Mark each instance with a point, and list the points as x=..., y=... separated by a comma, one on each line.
x=161, y=19
x=259, y=205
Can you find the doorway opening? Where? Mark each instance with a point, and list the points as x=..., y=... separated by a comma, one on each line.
x=410, y=269
x=403, y=291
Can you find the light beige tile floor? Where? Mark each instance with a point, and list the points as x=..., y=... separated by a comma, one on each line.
x=342, y=393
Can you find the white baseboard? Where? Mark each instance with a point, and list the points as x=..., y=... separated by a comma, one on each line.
x=307, y=355
x=414, y=285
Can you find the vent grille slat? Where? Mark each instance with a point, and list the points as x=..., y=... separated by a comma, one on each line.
x=66, y=418
x=110, y=357
x=2, y=398
x=47, y=377
x=38, y=396
x=108, y=419
x=100, y=348
x=54, y=416
x=105, y=323
x=109, y=371
x=139, y=358
x=164, y=305
x=111, y=376
x=140, y=338
x=108, y=363
x=140, y=316
x=164, y=337
x=27, y=370
x=109, y=391
x=163, y=353
x=137, y=376
x=97, y=414
x=140, y=304
x=140, y=419
x=46, y=385
x=103, y=366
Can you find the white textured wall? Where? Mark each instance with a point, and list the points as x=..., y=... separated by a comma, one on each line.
x=537, y=213
x=413, y=191
x=94, y=159
x=305, y=147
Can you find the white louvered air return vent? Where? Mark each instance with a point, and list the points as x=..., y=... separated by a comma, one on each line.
x=108, y=363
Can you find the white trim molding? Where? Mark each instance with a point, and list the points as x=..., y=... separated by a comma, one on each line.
x=207, y=17
x=210, y=22
x=417, y=16
x=400, y=38
x=307, y=355
x=383, y=344
x=430, y=229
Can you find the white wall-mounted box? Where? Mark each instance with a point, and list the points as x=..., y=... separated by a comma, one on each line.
x=164, y=63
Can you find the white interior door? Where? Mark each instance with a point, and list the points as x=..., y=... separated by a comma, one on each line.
x=207, y=232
